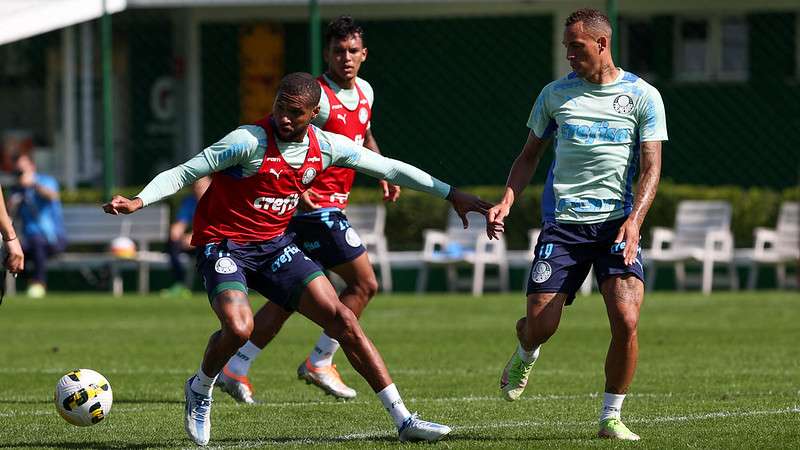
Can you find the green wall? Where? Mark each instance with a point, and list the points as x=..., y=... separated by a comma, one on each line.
x=453, y=96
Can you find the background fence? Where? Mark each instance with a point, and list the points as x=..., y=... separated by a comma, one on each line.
x=452, y=94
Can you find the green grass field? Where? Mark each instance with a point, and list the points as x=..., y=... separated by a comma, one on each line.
x=717, y=372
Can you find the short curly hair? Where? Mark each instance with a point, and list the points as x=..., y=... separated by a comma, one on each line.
x=594, y=21
x=301, y=84
x=342, y=27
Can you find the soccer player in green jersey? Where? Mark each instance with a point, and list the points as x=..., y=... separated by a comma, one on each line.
x=605, y=123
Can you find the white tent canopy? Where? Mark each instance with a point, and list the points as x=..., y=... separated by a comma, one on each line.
x=20, y=19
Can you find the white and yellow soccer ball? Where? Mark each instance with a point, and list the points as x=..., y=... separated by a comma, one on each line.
x=83, y=397
x=123, y=247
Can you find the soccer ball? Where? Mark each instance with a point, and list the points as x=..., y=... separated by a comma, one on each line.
x=83, y=397
x=123, y=247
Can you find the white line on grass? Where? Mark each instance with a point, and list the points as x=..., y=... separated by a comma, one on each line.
x=651, y=420
x=382, y=434
x=168, y=404
x=495, y=425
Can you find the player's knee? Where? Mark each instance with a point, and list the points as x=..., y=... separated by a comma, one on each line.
x=345, y=327
x=625, y=327
x=238, y=330
x=366, y=288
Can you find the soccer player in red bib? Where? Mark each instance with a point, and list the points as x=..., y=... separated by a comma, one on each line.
x=322, y=230
x=259, y=173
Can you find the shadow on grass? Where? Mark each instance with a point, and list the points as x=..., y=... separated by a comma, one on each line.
x=266, y=441
x=97, y=445
x=122, y=401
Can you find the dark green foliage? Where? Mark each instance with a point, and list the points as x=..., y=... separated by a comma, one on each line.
x=752, y=208
x=415, y=211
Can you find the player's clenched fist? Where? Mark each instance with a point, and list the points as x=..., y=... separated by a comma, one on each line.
x=122, y=205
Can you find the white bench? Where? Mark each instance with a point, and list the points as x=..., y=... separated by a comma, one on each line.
x=369, y=221
x=703, y=234
x=87, y=226
x=456, y=246
x=779, y=246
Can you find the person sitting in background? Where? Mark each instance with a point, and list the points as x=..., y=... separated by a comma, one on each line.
x=180, y=238
x=36, y=200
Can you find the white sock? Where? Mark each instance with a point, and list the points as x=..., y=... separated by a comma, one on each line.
x=322, y=355
x=612, y=404
x=239, y=364
x=394, y=404
x=202, y=383
x=528, y=356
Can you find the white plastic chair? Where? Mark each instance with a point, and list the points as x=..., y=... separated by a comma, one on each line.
x=456, y=246
x=777, y=246
x=370, y=221
x=702, y=233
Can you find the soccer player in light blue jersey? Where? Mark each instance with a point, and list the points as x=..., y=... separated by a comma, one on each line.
x=605, y=123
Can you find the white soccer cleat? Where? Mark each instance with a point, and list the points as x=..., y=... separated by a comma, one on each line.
x=326, y=378
x=613, y=428
x=197, y=418
x=416, y=429
x=515, y=377
x=236, y=386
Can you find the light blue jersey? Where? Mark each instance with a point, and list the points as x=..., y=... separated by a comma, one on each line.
x=598, y=130
x=241, y=152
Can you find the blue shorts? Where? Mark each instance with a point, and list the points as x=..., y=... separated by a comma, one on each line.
x=566, y=252
x=327, y=237
x=276, y=269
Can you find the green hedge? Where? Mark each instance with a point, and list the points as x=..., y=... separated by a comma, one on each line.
x=414, y=212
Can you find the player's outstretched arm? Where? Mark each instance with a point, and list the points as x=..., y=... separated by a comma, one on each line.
x=122, y=205
x=645, y=193
x=518, y=178
x=235, y=148
x=346, y=154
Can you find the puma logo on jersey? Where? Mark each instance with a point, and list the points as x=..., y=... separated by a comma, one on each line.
x=363, y=101
x=314, y=159
x=276, y=173
x=339, y=197
x=278, y=205
x=274, y=159
x=337, y=107
x=342, y=117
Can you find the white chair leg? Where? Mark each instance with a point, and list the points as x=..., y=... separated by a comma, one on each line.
x=734, y=276
x=752, y=277
x=478, y=276
x=708, y=276
x=385, y=265
x=452, y=278
x=116, y=281
x=780, y=275
x=422, y=279
x=680, y=275
x=386, y=276
x=144, y=278
x=503, y=269
x=650, y=275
